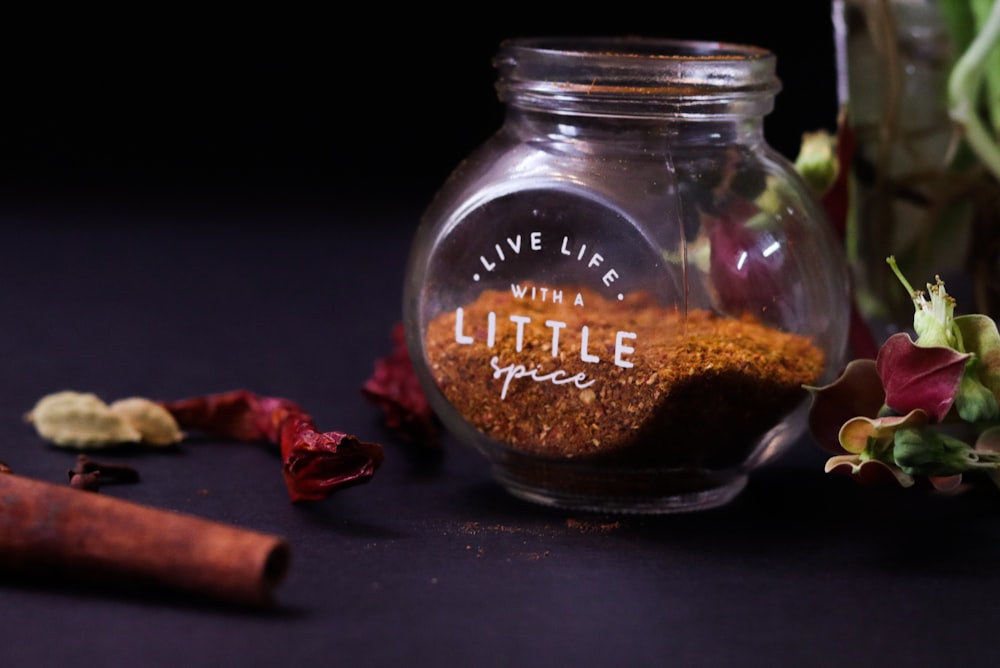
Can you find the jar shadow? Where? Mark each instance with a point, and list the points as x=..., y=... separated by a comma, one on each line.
x=787, y=518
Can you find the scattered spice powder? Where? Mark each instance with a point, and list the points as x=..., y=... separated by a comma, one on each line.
x=588, y=526
x=694, y=391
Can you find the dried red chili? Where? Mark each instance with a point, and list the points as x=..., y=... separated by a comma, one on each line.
x=395, y=389
x=315, y=463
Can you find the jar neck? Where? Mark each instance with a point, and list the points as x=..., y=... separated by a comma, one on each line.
x=639, y=79
x=645, y=132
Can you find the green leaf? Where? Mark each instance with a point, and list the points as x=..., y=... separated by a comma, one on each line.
x=974, y=402
x=981, y=338
x=926, y=452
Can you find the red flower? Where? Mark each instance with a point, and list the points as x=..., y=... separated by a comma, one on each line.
x=395, y=389
x=919, y=377
x=856, y=417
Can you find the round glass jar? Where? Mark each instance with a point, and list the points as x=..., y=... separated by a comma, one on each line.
x=619, y=297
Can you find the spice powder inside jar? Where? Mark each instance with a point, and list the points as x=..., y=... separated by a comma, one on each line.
x=626, y=381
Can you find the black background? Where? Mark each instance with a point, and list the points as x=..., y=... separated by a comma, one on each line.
x=368, y=106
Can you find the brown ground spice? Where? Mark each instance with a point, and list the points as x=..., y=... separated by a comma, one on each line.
x=702, y=391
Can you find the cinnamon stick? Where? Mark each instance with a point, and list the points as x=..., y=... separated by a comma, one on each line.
x=48, y=528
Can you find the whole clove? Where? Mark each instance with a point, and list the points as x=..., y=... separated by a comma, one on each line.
x=89, y=481
x=89, y=474
x=108, y=472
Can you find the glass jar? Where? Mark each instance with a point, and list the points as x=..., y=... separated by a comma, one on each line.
x=619, y=297
x=893, y=61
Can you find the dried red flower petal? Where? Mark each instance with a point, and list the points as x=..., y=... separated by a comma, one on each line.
x=869, y=472
x=948, y=483
x=395, y=389
x=919, y=377
x=315, y=463
x=858, y=391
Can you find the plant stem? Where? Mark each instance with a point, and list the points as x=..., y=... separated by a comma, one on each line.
x=981, y=10
x=902, y=279
x=963, y=90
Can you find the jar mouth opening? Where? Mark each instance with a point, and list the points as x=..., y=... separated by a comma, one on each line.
x=586, y=71
x=636, y=48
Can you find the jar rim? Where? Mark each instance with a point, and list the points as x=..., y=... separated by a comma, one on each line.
x=636, y=76
x=636, y=47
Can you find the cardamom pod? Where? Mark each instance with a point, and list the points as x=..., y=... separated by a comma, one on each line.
x=80, y=419
x=154, y=423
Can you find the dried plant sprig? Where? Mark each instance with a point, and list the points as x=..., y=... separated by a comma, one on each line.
x=895, y=417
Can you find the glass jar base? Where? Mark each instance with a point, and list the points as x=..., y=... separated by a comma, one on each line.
x=621, y=491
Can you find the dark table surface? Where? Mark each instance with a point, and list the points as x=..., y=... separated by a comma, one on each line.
x=431, y=563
